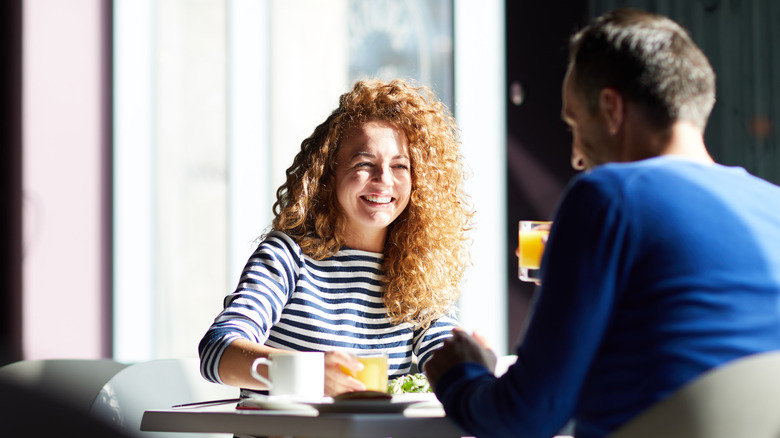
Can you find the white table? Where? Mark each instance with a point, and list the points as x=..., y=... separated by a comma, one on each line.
x=414, y=422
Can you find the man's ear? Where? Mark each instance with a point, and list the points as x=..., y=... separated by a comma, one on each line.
x=612, y=106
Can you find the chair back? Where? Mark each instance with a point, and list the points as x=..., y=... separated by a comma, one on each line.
x=75, y=382
x=738, y=399
x=156, y=384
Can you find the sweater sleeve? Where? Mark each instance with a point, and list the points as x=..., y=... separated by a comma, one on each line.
x=266, y=284
x=580, y=272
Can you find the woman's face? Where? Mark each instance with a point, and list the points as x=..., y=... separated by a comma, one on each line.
x=373, y=181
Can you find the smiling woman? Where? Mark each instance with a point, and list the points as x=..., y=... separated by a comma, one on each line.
x=373, y=182
x=367, y=248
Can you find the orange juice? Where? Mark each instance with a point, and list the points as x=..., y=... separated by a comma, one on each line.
x=531, y=240
x=374, y=372
x=531, y=248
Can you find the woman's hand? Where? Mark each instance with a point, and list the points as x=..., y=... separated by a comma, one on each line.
x=336, y=380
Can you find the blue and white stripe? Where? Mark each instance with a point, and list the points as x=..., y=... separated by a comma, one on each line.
x=288, y=300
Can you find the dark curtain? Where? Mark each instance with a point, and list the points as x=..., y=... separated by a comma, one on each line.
x=10, y=180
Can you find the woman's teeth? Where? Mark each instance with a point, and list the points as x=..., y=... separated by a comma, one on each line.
x=378, y=199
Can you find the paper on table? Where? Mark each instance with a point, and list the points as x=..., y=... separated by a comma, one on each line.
x=202, y=404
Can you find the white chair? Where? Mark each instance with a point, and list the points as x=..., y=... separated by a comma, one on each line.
x=75, y=382
x=52, y=397
x=156, y=384
x=738, y=399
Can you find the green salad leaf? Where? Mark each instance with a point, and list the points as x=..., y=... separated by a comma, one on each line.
x=409, y=383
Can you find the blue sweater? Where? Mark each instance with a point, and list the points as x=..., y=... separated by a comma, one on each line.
x=655, y=272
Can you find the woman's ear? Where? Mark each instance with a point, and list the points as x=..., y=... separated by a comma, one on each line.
x=612, y=107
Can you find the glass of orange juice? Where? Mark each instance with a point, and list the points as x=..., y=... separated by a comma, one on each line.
x=374, y=372
x=531, y=237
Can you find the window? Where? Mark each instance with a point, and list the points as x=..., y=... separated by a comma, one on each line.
x=212, y=100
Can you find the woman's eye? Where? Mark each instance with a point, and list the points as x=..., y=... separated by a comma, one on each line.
x=364, y=164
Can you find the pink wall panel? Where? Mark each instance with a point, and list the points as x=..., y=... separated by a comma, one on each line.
x=64, y=131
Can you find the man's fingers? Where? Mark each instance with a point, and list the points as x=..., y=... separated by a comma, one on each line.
x=481, y=340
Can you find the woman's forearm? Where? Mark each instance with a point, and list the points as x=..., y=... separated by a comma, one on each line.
x=237, y=360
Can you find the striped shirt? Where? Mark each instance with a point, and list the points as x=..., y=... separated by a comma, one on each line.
x=288, y=300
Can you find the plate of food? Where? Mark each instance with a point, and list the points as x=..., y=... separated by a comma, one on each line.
x=364, y=402
x=410, y=390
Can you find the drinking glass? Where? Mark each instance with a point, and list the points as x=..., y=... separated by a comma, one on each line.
x=531, y=238
x=374, y=372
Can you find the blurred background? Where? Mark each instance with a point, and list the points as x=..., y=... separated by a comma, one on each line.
x=143, y=142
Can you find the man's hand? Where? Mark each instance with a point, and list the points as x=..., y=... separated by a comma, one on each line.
x=460, y=348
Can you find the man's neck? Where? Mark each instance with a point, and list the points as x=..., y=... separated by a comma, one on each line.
x=685, y=140
x=682, y=139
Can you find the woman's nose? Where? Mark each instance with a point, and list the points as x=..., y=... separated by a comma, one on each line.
x=384, y=174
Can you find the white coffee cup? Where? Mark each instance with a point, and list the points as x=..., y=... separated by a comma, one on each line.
x=294, y=373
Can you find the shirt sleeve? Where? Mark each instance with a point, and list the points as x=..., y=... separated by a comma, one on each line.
x=266, y=284
x=428, y=340
x=580, y=277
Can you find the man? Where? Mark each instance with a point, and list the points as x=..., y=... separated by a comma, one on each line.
x=660, y=265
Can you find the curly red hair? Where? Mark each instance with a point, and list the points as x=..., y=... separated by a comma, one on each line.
x=426, y=249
